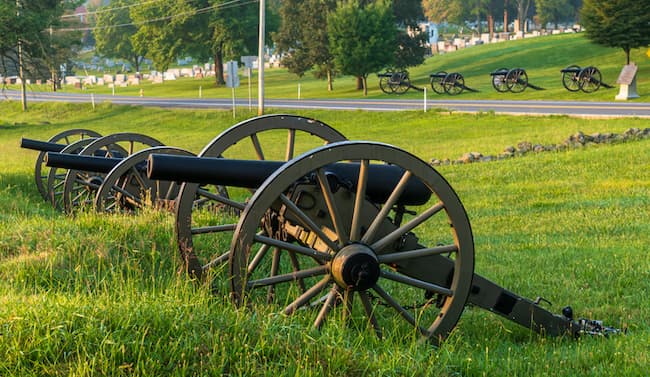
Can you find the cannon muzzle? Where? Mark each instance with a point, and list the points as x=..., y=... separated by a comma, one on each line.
x=41, y=146
x=78, y=162
x=252, y=173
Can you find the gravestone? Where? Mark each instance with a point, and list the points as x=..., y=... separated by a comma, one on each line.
x=627, y=80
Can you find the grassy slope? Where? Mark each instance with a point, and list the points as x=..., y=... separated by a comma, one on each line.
x=100, y=295
x=542, y=57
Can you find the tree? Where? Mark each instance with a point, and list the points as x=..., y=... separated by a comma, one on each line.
x=411, y=40
x=623, y=23
x=37, y=26
x=362, y=38
x=221, y=32
x=554, y=11
x=160, y=30
x=113, y=32
x=442, y=10
x=303, y=47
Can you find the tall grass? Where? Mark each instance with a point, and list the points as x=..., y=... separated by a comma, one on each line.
x=96, y=294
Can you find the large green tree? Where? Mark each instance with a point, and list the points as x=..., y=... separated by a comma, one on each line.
x=617, y=23
x=113, y=33
x=303, y=48
x=47, y=38
x=160, y=30
x=362, y=38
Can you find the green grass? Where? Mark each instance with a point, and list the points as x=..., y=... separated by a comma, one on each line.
x=101, y=294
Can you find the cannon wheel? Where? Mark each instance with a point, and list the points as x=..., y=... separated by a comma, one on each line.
x=517, y=80
x=454, y=83
x=358, y=265
x=400, y=82
x=127, y=186
x=80, y=187
x=437, y=82
x=196, y=231
x=570, y=79
x=499, y=80
x=384, y=83
x=66, y=137
x=56, y=176
x=590, y=79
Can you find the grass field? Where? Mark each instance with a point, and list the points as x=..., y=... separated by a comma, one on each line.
x=101, y=294
x=541, y=57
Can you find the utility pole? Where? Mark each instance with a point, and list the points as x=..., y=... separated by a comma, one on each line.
x=260, y=62
x=23, y=96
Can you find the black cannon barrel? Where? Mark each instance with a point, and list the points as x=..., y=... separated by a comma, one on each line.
x=252, y=173
x=41, y=146
x=77, y=162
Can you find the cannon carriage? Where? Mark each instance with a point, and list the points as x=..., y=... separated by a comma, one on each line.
x=513, y=80
x=586, y=79
x=395, y=82
x=361, y=229
x=451, y=83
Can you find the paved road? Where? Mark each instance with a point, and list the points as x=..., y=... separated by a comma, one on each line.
x=580, y=109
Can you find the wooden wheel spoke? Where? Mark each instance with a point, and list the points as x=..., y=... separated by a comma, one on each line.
x=221, y=199
x=288, y=277
x=367, y=307
x=397, y=233
x=327, y=306
x=259, y=256
x=213, y=229
x=291, y=144
x=223, y=258
x=332, y=208
x=320, y=256
x=419, y=253
x=308, y=222
x=398, y=308
x=309, y=294
x=355, y=229
x=417, y=283
x=257, y=146
x=383, y=213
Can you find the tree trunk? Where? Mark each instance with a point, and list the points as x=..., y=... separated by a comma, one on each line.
x=364, y=81
x=490, y=21
x=218, y=69
x=359, y=83
x=54, y=79
x=330, y=83
x=505, y=16
x=627, y=55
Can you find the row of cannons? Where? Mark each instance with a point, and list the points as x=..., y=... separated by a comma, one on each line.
x=514, y=80
x=362, y=229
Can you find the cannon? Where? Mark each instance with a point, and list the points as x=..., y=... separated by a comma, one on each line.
x=395, y=82
x=587, y=79
x=362, y=229
x=68, y=187
x=511, y=80
x=451, y=83
x=62, y=139
x=77, y=181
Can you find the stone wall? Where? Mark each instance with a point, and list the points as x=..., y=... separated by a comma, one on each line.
x=575, y=141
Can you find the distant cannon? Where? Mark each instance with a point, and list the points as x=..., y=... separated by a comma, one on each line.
x=587, y=79
x=511, y=80
x=397, y=82
x=451, y=83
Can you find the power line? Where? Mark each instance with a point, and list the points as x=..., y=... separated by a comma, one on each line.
x=226, y=5
x=105, y=10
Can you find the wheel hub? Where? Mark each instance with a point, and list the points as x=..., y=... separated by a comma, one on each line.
x=356, y=267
